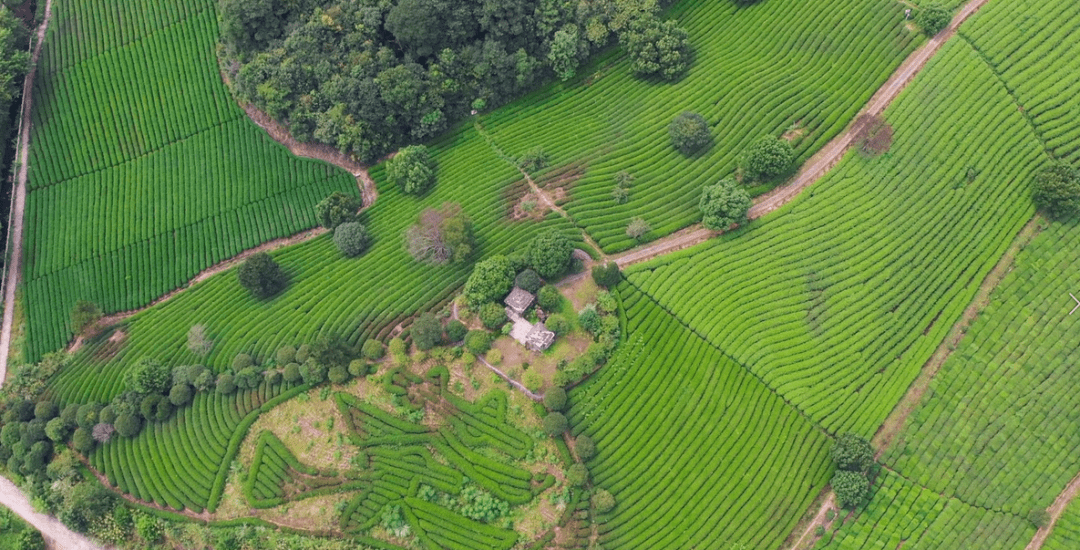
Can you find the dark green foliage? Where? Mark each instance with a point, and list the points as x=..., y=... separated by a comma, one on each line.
x=851, y=488
x=32, y=432
x=357, y=368
x=338, y=374
x=533, y=160
x=564, y=53
x=70, y=414
x=412, y=169
x=204, y=381
x=83, y=315
x=851, y=452
x=1057, y=191
x=127, y=425
x=491, y=281
x=723, y=204
x=602, y=501
x=10, y=434
x=88, y=415
x=1039, y=517
x=272, y=377
x=477, y=342
x=57, y=430
x=303, y=353
x=933, y=18
x=148, y=528
x=149, y=407
x=442, y=235
x=30, y=539
x=373, y=350
x=426, y=332
x=148, y=376
x=85, y=504
x=550, y=254
x=225, y=384
x=455, y=330
x=584, y=447
x=766, y=158
x=107, y=414
x=285, y=355
x=83, y=440
x=555, y=424
x=657, y=48
x=292, y=373
x=19, y=410
x=314, y=372
x=558, y=324
x=492, y=315
x=242, y=361
x=336, y=209
x=689, y=132
x=248, y=378
x=331, y=351
x=261, y=275
x=46, y=410
x=528, y=280
x=181, y=395
x=589, y=320
x=549, y=299
x=607, y=275
x=555, y=399
x=251, y=24
x=352, y=239
x=577, y=474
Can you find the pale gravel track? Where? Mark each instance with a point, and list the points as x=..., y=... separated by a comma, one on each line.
x=55, y=532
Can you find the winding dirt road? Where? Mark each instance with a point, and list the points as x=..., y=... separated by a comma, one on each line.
x=55, y=533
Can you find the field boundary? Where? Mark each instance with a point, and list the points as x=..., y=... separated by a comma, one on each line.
x=1055, y=510
x=16, y=214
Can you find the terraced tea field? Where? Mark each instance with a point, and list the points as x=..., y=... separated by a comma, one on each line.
x=690, y=439
x=1066, y=533
x=901, y=514
x=143, y=171
x=838, y=299
x=757, y=70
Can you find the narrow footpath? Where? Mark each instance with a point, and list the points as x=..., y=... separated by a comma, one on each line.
x=15, y=223
x=57, y=535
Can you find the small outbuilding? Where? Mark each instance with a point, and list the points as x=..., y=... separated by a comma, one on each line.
x=539, y=338
x=519, y=300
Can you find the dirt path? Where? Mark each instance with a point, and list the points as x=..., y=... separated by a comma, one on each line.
x=515, y=383
x=895, y=421
x=318, y=151
x=56, y=534
x=1055, y=511
x=818, y=520
x=15, y=224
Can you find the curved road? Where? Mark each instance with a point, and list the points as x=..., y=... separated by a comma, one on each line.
x=55, y=532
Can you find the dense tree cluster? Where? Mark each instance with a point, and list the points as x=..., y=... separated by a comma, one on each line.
x=412, y=169
x=689, y=132
x=933, y=18
x=853, y=457
x=1057, y=191
x=366, y=76
x=723, y=204
x=766, y=158
x=261, y=275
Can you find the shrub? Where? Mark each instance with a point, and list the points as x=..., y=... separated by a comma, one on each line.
x=555, y=424
x=577, y=474
x=533, y=160
x=204, y=381
x=528, y=280
x=70, y=414
x=83, y=315
x=225, y=384
x=149, y=406
x=723, y=204
x=107, y=414
x=441, y=236
x=338, y=375
x=426, y=332
x=88, y=415
x=851, y=452
x=589, y=320
x=766, y=158
x=549, y=299
x=148, y=528
x=127, y=425
x=30, y=539
x=373, y=350
x=412, y=169
x=456, y=330
x=657, y=48
x=397, y=348
x=689, y=132
x=358, y=368
x=555, y=399
x=558, y=325
x=148, y=376
x=637, y=228
x=272, y=377
x=261, y=275
x=851, y=488
x=313, y=373
x=491, y=281
x=494, y=357
x=292, y=373
x=532, y=380
x=352, y=239
x=607, y=275
x=621, y=195
x=584, y=447
x=198, y=342
x=46, y=410
x=180, y=395
x=477, y=342
x=1057, y=191
x=492, y=315
x=933, y=18
x=302, y=353
x=336, y=209
x=550, y=254
x=602, y=501
x=242, y=361
x=1039, y=518
x=57, y=430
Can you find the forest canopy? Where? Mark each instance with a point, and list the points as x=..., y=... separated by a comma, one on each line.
x=367, y=76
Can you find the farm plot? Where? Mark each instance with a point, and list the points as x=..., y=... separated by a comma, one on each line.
x=999, y=425
x=1032, y=46
x=757, y=70
x=901, y=514
x=1066, y=533
x=690, y=440
x=837, y=300
x=143, y=171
